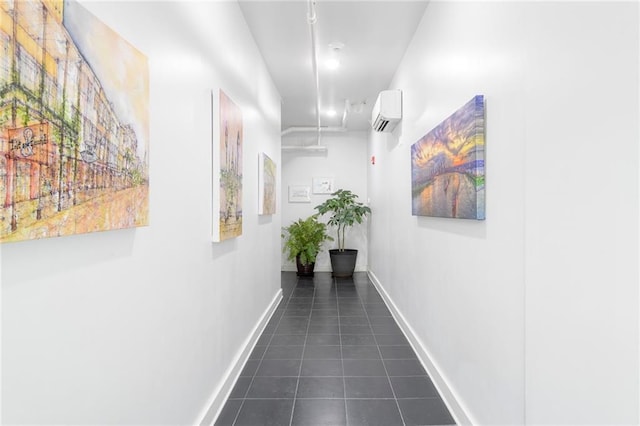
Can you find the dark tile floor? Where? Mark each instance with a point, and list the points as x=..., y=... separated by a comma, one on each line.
x=332, y=354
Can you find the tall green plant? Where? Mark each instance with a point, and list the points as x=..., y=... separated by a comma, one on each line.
x=345, y=211
x=305, y=238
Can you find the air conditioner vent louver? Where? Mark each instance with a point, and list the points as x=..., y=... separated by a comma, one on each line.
x=380, y=124
x=387, y=111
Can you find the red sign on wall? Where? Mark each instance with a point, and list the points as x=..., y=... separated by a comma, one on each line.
x=30, y=143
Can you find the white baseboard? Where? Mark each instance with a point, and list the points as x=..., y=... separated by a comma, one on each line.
x=212, y=410
x=457, y=410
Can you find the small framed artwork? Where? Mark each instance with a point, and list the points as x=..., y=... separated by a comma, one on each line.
x=299, y=194
x=266, y=185
x=322, y=185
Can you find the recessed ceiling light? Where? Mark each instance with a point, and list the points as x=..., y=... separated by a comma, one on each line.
x=332, y=63
x=333, y=59
x=331, y=113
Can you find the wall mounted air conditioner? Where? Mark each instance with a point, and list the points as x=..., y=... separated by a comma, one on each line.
x=387, y=111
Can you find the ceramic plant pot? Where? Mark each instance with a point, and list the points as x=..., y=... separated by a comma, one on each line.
x=304, y=270
x=343, y=263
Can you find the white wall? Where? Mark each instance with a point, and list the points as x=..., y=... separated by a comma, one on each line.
x=346, y=162
x=530, y=316
x=582, y=209
x=142, y=326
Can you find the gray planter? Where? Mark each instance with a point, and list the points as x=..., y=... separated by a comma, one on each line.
x=343, y=263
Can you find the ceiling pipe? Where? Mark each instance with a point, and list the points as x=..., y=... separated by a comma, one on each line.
x=317, y=148
x=310, y=129
x=345, y=113
x=326, y=129
x=312, y=19
x=308, y=149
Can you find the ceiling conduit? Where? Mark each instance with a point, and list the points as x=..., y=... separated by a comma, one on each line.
x=311, y=20
x=325, y=129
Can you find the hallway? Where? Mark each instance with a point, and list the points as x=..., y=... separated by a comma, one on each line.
x=332, y=354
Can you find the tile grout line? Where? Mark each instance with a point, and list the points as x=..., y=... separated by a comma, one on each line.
x=395, y=398
x=304, y=349
x=246, y=393
x=344, y=380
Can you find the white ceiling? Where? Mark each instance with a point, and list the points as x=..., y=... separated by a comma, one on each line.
x=375, y=36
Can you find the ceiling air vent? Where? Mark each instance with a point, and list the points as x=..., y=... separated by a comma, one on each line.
x=387, y=111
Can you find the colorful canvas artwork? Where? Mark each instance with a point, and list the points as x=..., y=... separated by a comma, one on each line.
x=74, y=127
x=230, y=166
x=447, y=166
x=266, y=185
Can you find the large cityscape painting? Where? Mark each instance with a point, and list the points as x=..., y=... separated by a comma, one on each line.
x=447, y=166
x=74, y=130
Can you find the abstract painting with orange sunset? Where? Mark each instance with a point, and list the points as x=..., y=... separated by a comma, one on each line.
x=447, y=166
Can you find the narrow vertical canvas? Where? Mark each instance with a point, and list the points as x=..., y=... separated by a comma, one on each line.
x=229, y=221
x=74, y=128
x=266, y=185
x=447, y=166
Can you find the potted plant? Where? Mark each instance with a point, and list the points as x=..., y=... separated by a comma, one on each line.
x=303, y=241
x=345, y=211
